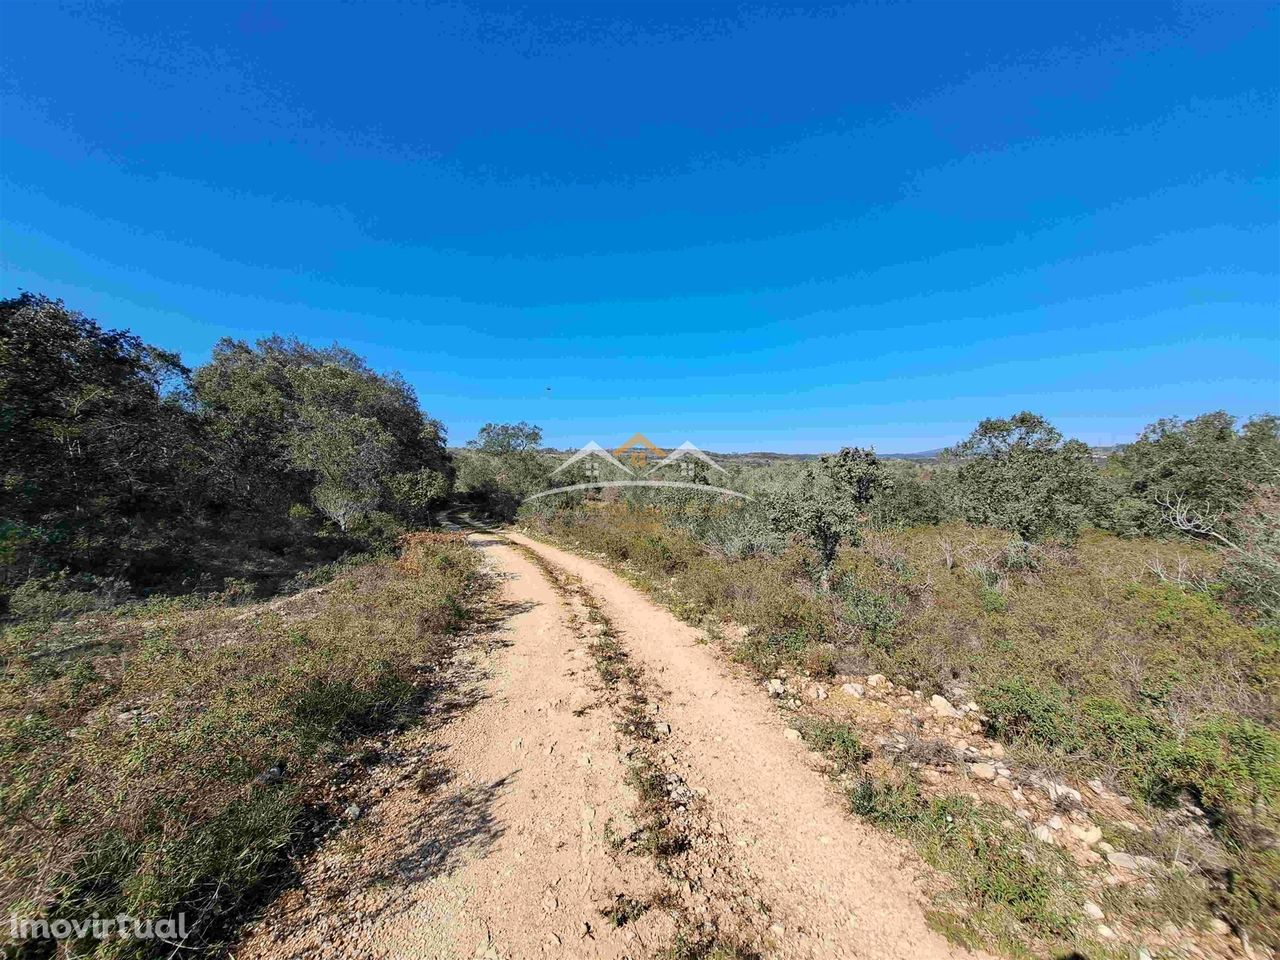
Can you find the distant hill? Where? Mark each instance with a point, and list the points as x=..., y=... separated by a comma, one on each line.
x=760, y=458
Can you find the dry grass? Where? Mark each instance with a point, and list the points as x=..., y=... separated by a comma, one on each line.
x=162, y=759
x=1091, y=660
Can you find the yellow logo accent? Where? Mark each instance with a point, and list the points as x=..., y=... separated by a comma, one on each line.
x=637, y=451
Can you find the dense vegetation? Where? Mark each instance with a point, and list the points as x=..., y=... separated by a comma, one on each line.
x=1113, y=620
x=1115, y=617
x=124, y=472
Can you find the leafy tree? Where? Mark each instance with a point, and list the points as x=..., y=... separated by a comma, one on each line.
x=503, y=465
x=910, y=495
x=101, y=460
x=1205, y=466
x=1019, y=474
x=826, y=507
x=317, y=423
x=350, y=455
x=416, y=492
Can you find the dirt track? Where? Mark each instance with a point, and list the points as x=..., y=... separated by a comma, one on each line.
x=532, y=839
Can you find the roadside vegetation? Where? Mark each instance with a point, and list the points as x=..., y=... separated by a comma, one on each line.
x=210, y=591
x=167, y=756
x=126, y=475
x=1113, y=622
x=210, y=581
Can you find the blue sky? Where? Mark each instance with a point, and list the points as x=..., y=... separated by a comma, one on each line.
x=749, y=227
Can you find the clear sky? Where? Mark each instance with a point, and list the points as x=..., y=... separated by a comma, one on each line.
x=749, y=227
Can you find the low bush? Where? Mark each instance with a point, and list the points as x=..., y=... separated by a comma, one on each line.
x=1006, y=885
x=61, y=594
x=1092, y=658
x=838, y=741
x=1017, y=710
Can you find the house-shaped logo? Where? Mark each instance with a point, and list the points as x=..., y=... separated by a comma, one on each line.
x=590, y=457
x=638, y=451
x=686, y=457
x=644, y=464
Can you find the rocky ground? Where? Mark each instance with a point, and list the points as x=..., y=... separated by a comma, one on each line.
x=598, y=783
x=942, y=738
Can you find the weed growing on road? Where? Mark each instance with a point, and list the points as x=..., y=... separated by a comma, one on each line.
x=665, y=823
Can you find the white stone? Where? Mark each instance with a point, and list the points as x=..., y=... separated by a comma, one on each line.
x=1087, y=833
x=1122, y=860
x=942, y=706
x=1092, y=910
x=983, y=771
x=776, y=687
x=791, y=733
x=854, y=689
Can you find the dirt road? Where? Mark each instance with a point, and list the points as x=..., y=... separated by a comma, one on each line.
x=606, y=787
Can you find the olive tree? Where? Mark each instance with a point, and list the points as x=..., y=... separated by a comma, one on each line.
x=1205, y=466
x=826, y=507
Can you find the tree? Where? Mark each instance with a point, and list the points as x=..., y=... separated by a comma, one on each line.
x=1020, y=475
x=909, y=495
x=316, y=423
x=1205, y=466
x=351, y=456
x=826, y=506
x=502, y=465
x=101, y=459
x=416, y=492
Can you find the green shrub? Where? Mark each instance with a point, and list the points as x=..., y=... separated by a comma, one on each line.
x=1125, y=742
x=63, y=595
x=1252, y=897
x=870, y=613
x=993, y=601
x=1019, y=710
x=1227, y=763
x=837, y=740
x=1008, y=884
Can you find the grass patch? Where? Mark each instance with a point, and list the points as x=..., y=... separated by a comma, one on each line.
x=1092, y=660
x=836, y=740
x=161, y=760
x=1006, y=886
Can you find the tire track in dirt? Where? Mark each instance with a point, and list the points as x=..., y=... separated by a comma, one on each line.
x=610, y=789
x=836, y=888
x=497, y=849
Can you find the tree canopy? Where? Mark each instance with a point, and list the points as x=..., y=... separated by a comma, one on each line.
x=1019, y=474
